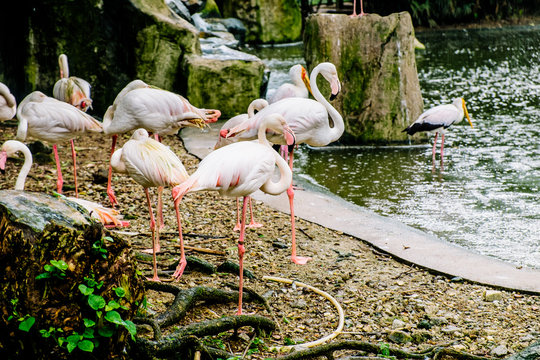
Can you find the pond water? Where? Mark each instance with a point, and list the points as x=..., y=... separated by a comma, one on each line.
x=486, y=198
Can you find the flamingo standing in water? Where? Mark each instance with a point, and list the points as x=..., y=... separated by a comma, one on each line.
x=299, y=87
x=151, y=164
x=8, y=104
x=108, y=217
x=438, y=119
x=239, y=170
x=72, y=89
x=314, y=122
x=48, y=119
x=160, y=112
x=255, y=105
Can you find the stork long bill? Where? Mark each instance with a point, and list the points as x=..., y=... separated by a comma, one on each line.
x=305, y=79
x=466, y=113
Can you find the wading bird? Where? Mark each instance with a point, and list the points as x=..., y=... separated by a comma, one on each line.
x=151, y=164
x=72, y=89
x=160, y=112
x=255, y=105
x=438, y=119
x=314, y=122
x=48, y=119
x=299, y=88
x=240, y=169
x=8, y=104
x=108, y=217
x=354, y=14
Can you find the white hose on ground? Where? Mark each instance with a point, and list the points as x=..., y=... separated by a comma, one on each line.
x=325, y=295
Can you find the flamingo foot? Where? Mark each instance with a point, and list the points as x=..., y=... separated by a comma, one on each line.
x=112, y=198
x=236, y=227
x=120, y=225
x=180, y=269
x=154, y=278
x=253, y=224
x=300, y=260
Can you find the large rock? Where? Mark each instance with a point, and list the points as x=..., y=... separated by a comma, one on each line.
x=376, y=64
x=231, y=83
x=40, y=303
x=267, y=21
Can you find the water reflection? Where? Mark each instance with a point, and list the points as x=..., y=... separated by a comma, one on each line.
x=487, y=196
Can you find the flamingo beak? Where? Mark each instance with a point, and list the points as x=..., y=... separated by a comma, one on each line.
x=335, y=85
x=211, y=115
x=305, y=79
x=289, y=136
x=3, y=158
x=467, y=113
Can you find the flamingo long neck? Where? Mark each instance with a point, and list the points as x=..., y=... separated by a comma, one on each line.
x=336, y=131
x=22, y=129
x=21, y=179
x=285, y=178
x=64, y=68
x=261, y=135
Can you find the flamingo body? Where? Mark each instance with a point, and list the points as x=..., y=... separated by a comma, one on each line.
x=299, y=88
x=71, y=89
x=8, y=104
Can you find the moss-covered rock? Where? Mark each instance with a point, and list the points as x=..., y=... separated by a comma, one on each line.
x=376, y=64
x=230, y=85
x=267, y=21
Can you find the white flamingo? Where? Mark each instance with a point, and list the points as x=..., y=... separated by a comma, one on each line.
x=239, y=170
x=314, y=122
x=48, y=119
x=72, y=89
x=108, y=217
x=299, y=88
x=150, y=164
x=8, y=104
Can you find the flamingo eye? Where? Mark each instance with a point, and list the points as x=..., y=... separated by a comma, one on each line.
x=83, y=104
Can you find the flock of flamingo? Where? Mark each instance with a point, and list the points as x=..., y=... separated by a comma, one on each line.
x=237, y=167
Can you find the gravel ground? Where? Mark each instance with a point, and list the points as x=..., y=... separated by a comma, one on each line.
x=384, y=301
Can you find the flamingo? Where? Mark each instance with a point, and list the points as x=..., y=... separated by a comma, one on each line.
x=48, y=119
x=257, y=105
x=438, y=119
x=299, y=87
x=150, y=164
x=160, y=112
x=239, y=170
x=8, y=104
x=72, y=89
x=354, y=14
x=108, y=217
x=314, y=122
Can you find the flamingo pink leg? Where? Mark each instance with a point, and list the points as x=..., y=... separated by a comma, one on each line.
x=154, y=231
x=237, y=226
x=160, y=198
x=361, y=9
x=183, y=262
x=110, y=191
x=252, y=224
x=434, y=146
x=241, y=251
x=60, y=181
x=290, y=192
x=442, y=147
x=74, y=156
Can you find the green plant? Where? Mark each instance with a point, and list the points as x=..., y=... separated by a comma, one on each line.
x=25, y=321
x=57, y=269
x=385, y=351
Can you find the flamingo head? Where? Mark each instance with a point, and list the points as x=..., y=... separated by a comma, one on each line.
x=329, y=72
x=211, y=115
x=85, y=104
x=278, y=124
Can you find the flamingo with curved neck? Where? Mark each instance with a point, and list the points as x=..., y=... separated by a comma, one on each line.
x=240, y=169
x=314, y=122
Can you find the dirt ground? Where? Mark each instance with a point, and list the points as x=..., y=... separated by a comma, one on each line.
x=384, y=301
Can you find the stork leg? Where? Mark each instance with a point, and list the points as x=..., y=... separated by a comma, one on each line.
x=241, y=251
x=154, y=231
x=252, y=224
x=290, y=193
x=60, y=180
x=434, y=146
x=110, y=191
x=442, y=147
x=183, y=262
x=74, y=156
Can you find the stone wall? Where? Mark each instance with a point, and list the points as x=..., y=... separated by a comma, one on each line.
x=376, y=64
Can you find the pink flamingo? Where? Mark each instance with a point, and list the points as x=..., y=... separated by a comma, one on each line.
x=72, y=89
x=150, y=164
x=108, y=217
x=239, y=170
x=299, y=88
x=8, y=104
x=48, y=119
x=255, y=105
x=314, y=122
x=160, y=112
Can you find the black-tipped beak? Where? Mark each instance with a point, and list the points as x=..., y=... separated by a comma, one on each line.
x=333, y=96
